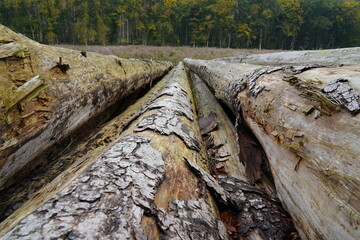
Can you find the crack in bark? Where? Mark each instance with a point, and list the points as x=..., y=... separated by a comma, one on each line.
x=340, y=91
x=209, y=180
x=166, y=119
x=255, y=89
x=107, y=200
x=191, y=219
x=251, y=208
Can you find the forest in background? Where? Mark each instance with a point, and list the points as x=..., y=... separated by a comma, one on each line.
x=270, y=24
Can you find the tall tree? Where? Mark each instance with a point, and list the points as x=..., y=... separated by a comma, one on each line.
x=290, y=19
x=288, y=24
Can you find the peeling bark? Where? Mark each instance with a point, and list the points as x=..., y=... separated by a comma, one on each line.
x=255, y=89
x=108, y=200
x=235, y=80
x=42, y=102
x=167, y=119
x=343, y=94
x=236, y=194
x=247, y=210
x=126, y=193
x=222, y=148
x=311, y=144
x=209, y=180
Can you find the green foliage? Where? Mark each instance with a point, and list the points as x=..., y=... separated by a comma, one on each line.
x=298, y=24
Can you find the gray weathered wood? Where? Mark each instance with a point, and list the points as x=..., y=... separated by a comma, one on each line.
x=342, y=56
x=310, y=139
x=245, y=209
x=47, y=92
x=224, y=135
x=140, y=186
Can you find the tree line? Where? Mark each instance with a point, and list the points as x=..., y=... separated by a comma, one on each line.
x=279, y=24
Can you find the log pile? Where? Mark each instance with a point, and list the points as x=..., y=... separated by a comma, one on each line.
x=280, y=151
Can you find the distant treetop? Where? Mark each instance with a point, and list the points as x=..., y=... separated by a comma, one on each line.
x=279, y=24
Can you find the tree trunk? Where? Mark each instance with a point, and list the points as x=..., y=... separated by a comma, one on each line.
x=335, y=57
x=218, y=130
x=157, y=171
x=48, y=92
x=305, y=119
x=260, y=39
x=229, y=41
x=138, y=187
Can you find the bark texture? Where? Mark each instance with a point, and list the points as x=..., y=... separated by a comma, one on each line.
x=47, y=92
x=237, y=199
x=225, y=78
x=247, y=211
x=334, y=57
x=169, y=166
x=218, y=132
x=304, y=120
x=138, y=187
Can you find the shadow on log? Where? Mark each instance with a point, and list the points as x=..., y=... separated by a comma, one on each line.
x=137, y=187
x=157, y=171
x=311, y=146
x=44, y=99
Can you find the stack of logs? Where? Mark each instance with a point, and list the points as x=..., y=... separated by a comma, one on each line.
x=252, y=147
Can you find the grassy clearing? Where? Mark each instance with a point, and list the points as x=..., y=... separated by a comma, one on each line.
x=173, y=54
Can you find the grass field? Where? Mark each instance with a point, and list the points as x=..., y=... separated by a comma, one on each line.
x=173, y=54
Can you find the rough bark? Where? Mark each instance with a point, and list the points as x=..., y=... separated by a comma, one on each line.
x=222, y=76
x=223, y=149
x=247, y=211
x=137, y=187
x=236, y=79
x=47, y=92
x=334, y=57
x=305, y=120
x=237, y=199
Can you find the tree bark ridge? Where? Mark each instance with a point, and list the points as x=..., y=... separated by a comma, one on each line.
x=48, y=92
x=316, y=174
x=131, y=179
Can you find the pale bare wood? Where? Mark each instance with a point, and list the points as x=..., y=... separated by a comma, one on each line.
x=310, y=138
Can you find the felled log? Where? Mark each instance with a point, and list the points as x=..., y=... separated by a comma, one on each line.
x=235, y=80
x=305, y=118
x=47, y=92
x=135, y=186
x=139, y=187
x=218, y=132
x=251, y=212
x=334, y=57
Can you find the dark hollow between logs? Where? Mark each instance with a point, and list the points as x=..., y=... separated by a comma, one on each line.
x=47, y=166
x=252, y=154
x=277, y=223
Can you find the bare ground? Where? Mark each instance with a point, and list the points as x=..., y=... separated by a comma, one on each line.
x=173, y=54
